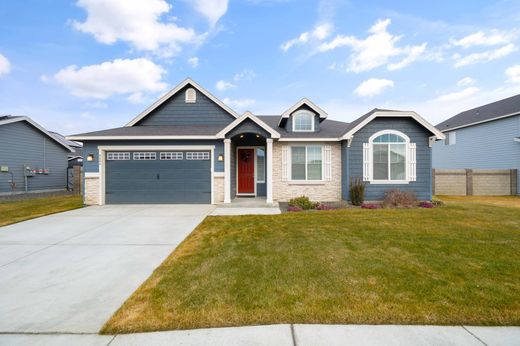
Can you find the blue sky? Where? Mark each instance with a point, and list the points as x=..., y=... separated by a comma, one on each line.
x=82, y=65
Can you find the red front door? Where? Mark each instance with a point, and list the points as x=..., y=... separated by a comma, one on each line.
x=246, y=171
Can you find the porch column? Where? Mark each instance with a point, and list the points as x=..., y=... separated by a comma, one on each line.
x=227, y=170
x=269, y=170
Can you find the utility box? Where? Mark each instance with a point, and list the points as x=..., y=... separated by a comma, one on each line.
x=4, y=169
x=29, y=172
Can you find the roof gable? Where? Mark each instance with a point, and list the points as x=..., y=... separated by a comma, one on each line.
x=13, y=119
x=177, y=91
x=244, y=117
x=301, y=104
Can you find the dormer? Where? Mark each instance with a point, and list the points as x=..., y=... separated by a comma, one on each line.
x=304, y=116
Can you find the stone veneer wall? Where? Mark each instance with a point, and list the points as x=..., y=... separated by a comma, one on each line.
x=91, y=190
x=218, y=189
x=326, y=191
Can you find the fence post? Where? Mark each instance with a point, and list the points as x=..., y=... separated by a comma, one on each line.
x=469, y=182
x=514, y=182
x=77, y=180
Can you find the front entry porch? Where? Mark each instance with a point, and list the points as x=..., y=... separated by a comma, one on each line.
x=247, y=206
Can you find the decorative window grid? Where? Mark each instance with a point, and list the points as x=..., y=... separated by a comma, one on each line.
x=197, y=155
x=191, y=95
x=116, y=156
x=171, y=155
x=148, y=155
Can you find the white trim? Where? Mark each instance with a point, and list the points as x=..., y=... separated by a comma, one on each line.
x=254, y=169
x=173, y=92
x=389, y=182
x=104, y=148
x=37, y=126
x=481, y=122
x=391, y=132
x=269, y=170
x=92, y=175
x=190, y=98
x=304, y=101
x=516, y=139
x=289, y=139
x=299, y=113
x=227, y=170
x=93, y=138
x=407, y=159
x=256, y=163
x=248, y=115
x=218, y=174
x=383, y=114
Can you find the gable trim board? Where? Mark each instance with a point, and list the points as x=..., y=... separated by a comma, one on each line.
x=437, y=134
x=165, y=97
x=248, y=115
x=15, y=119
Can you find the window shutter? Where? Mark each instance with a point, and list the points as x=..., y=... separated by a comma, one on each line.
x=366, y=162
x=285, y=163
x=412, y=166
x=327, y=153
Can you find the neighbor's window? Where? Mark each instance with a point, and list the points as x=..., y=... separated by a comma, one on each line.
x=303, y=121
x=260, y=165
x=389, y=157
x=451, y=138
x=306, y=162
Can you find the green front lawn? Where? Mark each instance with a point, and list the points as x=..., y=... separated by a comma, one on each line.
x=457, y=264
x=16, y=211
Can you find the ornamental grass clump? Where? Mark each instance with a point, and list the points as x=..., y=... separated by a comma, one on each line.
x=302, y=202
x=357, y=191
x=396, y=198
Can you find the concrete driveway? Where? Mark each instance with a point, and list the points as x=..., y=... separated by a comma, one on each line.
x=69, y=272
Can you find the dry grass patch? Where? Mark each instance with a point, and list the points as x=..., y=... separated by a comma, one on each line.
x=17, y=211
x=456, y=264
x=501, y=201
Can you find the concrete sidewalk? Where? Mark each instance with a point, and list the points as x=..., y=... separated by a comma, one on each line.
x=290, y=335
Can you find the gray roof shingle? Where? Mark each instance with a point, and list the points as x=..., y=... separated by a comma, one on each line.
x=508, y=106
x=180, y=130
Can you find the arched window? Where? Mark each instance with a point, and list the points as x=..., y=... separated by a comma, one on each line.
x=389, y=157
x=191, y=95
x=303, y=121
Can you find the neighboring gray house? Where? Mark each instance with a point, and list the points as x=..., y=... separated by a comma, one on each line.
x=75, y=157
x=486, y=137
x=30, y=156
x=189, y=147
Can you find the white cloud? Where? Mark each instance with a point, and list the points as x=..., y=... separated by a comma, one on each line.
x=135, y=22
x=194, y=62
x=320, y=32
x=244, y=74
x=485, y=56
x=465, y=82
x=375, y=50
x=239, y=104
x=118, y=77
x=373, y=86
x=458, y=95
x=5, y=65
x=222, y=85
x=513, y=74
x=480, y=38
x=213, y=10
x=136, y=98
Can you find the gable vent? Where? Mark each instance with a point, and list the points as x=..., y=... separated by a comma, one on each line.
x=191, y=95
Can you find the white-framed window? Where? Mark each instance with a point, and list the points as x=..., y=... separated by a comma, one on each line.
x=118, y=156
x=191, y=95
x=451, y=138
x=389, y=158
x=171, y=155
x=303, y=121
x=145, y=156
x=197, y=155
x=260, y=165
x=307, y=162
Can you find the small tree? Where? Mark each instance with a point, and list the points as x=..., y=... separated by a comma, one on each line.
x=357, y=191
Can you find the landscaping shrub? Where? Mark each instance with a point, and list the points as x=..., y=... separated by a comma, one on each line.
x=370, y=206
x=303, y=202
x=426, y=204
x=437, y=203
x=357, y=191
x=323, y=206
x=294, y=208
x=399, y=199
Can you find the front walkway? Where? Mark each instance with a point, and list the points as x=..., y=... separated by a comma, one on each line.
x=69, y=272
x=247, y=206
x=292, y=335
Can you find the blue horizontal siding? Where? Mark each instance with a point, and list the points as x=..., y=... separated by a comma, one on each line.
x=353, y=158
x=21, y=144
x=484, y=146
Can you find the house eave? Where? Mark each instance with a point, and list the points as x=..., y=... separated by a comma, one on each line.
x=113, y=138
x=248, y=115
x=480, y=122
